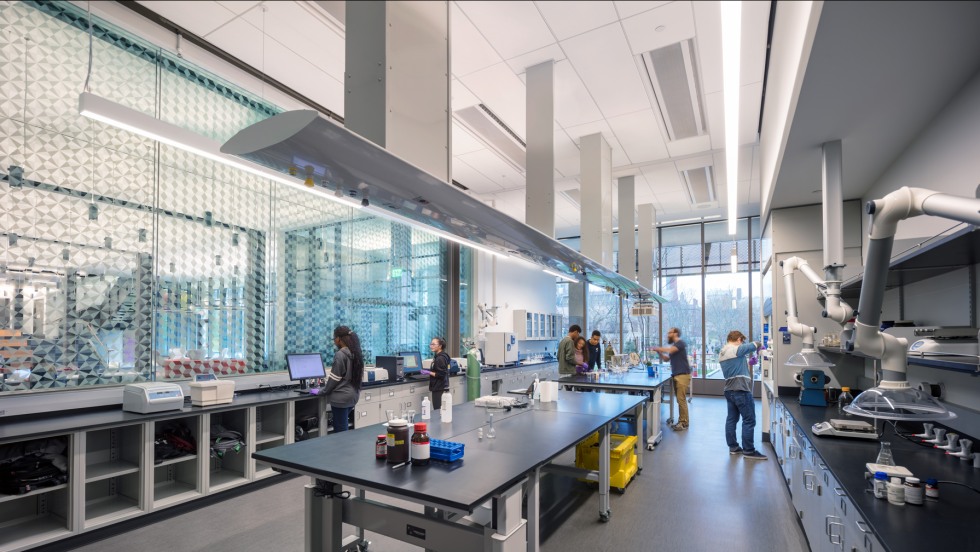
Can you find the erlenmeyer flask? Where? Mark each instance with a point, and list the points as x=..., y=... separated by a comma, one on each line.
x=885, y=457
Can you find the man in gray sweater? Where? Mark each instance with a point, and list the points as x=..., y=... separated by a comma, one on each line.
x=566, y=351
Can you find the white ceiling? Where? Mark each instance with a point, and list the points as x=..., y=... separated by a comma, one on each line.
x=598, y=85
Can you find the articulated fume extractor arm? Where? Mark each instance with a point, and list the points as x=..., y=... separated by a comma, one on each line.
x=887, y=212
x=834, y=308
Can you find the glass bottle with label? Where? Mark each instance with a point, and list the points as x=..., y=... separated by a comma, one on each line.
x=420, y=445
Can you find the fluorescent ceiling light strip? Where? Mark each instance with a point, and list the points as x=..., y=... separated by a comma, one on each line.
x=432, y=230
x=731, y=41
x=562, y=276
x=111, y=113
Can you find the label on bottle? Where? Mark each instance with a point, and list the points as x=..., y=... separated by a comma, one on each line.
x=420, y=452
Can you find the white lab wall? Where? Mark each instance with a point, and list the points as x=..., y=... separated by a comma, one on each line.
x=798, y=231
x=517, y=286
x=942, y=158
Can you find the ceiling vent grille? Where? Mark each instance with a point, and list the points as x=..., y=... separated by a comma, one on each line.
x=674, y=86
x=489, y=129
x=700, y=185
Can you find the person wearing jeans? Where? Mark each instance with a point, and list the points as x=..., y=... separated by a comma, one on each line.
x=738, y=394
x=343, y=386
x=680, y=373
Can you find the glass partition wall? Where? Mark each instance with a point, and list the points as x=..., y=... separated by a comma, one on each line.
x=123, y=259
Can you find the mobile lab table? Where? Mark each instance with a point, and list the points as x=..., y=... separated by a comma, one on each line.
x=631, y=381
x=493, y=471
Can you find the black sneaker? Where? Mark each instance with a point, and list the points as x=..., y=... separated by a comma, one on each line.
x=754, y=455
x=735, y=450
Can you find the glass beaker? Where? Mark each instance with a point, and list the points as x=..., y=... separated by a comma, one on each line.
x=885, y=457
x=491, y=433
x=411, y=416
x=390, y=414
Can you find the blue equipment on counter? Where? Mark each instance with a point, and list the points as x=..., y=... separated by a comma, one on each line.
x=812, y=392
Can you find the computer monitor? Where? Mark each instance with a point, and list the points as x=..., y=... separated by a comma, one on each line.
x=413, y=362
x=305, y=366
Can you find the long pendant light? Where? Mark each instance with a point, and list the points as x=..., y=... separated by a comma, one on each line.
x=731, y=44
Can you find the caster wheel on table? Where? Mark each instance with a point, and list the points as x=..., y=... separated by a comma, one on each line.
x=604, y=516
x=620, y=490
x=363, y=546
x=649, y=447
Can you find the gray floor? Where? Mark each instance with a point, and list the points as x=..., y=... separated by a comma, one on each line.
x=691, y=495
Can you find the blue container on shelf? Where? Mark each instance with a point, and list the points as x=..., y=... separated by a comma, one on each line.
x=445, y=451
x=651, y=370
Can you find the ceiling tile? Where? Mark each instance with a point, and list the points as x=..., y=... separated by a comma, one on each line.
x=568, y=19
x=662, y=179
x=640, y=136
x=490, y=165
x=199, y=18
x=573, y=103
x=462, y=97
x=239, y=6
x=520, y=63
x=619, y=157
x=464, y=142
x=472, y=178
x=714, y=112
x=631, y=8
x=499, y=89
x=470, y=50
x=513, y=28
x=606, y=66
x=677, y=21
x=707, y=24
x=303, y=31
x=689, y=146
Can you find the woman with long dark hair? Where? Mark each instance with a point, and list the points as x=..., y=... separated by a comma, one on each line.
x=439, y=374
x=343, y=387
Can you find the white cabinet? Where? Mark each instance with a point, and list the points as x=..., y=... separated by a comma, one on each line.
x=177, y=479
x=40, y=516
x=113, y=487
x=536, y=325
x=271, y=429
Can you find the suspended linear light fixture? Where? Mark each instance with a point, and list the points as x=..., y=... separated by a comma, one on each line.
x=111, y=113
x=731, y=42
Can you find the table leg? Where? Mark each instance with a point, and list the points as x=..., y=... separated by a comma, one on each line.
x=324, y=517
x=533, y=510
x=640, y=434
x=604, y=511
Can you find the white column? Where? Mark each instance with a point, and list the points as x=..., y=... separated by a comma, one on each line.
x=645, y=244
x=627, y=233
x=540, y=197
x=596, y=199
x=397, y=80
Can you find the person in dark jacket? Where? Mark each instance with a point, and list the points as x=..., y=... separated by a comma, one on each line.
x=343, y=386
x=439, y=372
x=595, y=352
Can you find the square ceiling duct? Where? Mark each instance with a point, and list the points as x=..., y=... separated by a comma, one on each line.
x=700, y=186
x=673, y=83
x=498, y=137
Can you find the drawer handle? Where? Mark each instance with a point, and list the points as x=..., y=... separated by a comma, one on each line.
x=367, y=397
x=839, y=492
x=862, y=526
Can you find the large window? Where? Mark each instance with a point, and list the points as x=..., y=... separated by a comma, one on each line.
x=123, y=259
x=680, y=283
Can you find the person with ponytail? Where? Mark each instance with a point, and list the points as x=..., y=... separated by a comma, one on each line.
x=343, y=386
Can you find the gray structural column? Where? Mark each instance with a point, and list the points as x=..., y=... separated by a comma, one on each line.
x=578, y=295
x=833, y=209
x=540, y=197
x=645, y=244
x=627, y=233
x=397, y=79
x=596, y=199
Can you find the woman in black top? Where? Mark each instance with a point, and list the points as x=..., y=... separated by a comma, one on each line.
x=343, y=386
x=439, y=372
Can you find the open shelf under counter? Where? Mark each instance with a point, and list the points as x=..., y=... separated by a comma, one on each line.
x=267, y=437
x=33, y=532
x=222, y=479
x=176, y=460
x=42, y=490
x=105, y=470
x=166, y=493
x=109, y=509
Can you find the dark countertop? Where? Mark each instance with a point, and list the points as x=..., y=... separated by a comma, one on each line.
x=633, y=379
x=60, y=424
x=945, y=524
x=524, y=441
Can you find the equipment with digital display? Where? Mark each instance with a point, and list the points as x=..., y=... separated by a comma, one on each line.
x=413, y=362
x=210, y=393
x=305, y=366
x=395, y=365
x=146, y=398
x=846, y=428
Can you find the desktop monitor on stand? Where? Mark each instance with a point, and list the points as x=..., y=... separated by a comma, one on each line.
x=305, y=366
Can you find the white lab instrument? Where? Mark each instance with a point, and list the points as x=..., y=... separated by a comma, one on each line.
x=210, y=393
x=494, y=401
x=146, y=398
x=846, y=428
x=501, y=349
x=890, y=471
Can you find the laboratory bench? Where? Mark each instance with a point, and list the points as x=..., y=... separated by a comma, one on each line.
x=831, y=494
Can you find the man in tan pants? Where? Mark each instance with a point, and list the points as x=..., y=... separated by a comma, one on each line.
x=680, y=371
